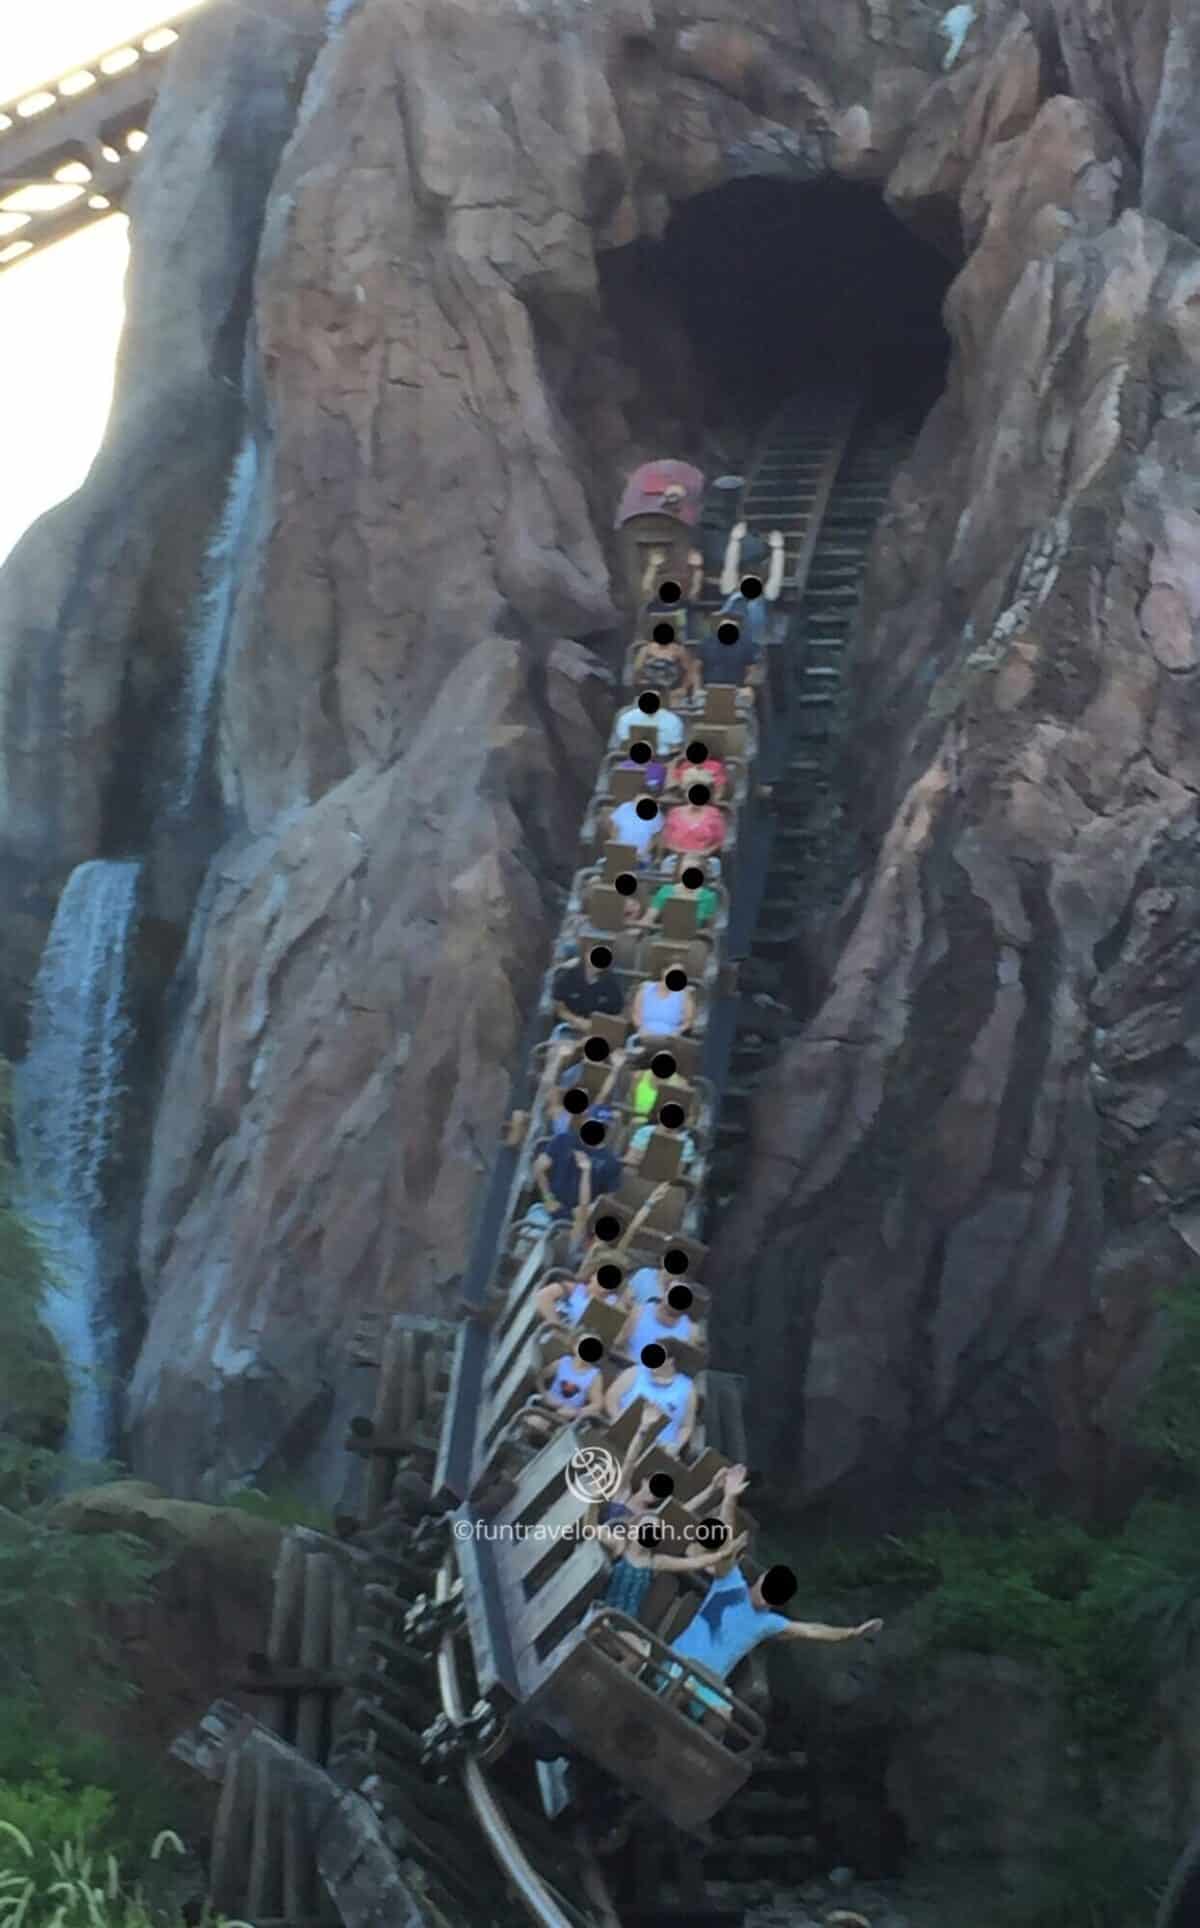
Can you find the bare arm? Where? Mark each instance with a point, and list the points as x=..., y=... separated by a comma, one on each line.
x=548, y=1300
x=733, y=555
x=584, y=1204
x=696, y=582
x=621, y=1342
x=617, y=1391
x=637, y=1447
x=614, y=1069
x=693, y=1562
x=689, y=1420
x=735, y=1486
x=816, y=1630
x=640, y=1216
x=774, y=582
x=699, y=1501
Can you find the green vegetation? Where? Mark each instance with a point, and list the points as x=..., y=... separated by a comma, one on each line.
x=284, y=1507
x=74, y=1884
x=1099, y=1877
x=1111, y=1612
x=63, y=1791
x=56, y=1585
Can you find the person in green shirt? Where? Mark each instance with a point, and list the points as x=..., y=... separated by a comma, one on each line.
x=702, y=895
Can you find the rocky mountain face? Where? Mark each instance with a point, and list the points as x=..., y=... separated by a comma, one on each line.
x=385, y=249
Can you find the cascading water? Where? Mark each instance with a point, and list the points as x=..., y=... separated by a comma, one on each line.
x=206, y=644
x=67, y=1107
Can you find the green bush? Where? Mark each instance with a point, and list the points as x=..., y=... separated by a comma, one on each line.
x=41, y=1814
x=75, y=1885
x=284, y=1507
x=70, y=1770
x=1099, y=1877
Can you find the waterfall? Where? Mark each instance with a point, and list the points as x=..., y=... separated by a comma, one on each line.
x=67, y=1096
x=206, y=642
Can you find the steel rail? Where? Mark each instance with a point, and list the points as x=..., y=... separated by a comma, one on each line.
x=529, y=1886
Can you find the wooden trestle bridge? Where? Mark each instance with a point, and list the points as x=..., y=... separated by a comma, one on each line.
x=69, y=147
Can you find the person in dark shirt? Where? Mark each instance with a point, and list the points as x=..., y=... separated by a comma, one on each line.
x=569, y=1175
x=580, y=990
x=729, y=662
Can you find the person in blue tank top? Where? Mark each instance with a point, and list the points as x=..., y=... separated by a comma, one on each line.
x=733, y=1619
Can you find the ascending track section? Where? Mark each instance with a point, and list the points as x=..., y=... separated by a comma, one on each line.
x=544, y=1681
x=69, y=149
x=801, y=875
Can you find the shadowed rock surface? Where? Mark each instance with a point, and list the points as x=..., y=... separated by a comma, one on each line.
x=976, y=1166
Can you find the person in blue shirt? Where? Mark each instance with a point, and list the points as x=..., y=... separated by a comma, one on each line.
x=733, y=1619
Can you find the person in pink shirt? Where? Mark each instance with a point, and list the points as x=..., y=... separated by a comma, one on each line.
x=695, y=829
x=712, y=771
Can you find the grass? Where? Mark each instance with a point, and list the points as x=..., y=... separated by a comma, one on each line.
x=73, y=1886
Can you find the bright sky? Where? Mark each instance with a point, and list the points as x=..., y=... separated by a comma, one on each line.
x=61, y=311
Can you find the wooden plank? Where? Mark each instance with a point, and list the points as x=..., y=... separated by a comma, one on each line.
x=341, y=1626
x=291, y=1681
x=321, y=1580
x=299, y=1873
x=314, y=1650
x=431, y=1373
x=389, y=1446
x=264, y=1888
x=207, y=1747
x=283, y=1638
x=407, y=1402
x=231, y=1836
x=366, y=1883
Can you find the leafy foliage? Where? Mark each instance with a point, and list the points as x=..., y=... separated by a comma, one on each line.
x=33, y=1384
x=1168, y=1423
x=75, y=1884
x=284, y=1507
x=55, y=1583
x=1098, y=1877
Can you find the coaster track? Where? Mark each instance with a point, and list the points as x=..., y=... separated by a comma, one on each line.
x=821, y=476
x=430, y=1731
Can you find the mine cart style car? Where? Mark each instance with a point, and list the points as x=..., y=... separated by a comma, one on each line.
x=657, y=525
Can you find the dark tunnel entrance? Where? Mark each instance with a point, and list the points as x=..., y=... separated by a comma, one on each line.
x=764, y=286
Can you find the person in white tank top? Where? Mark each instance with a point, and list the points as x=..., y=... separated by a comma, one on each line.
x=662, y=1386
x=571, y=1388
x=659, y=1012
x=655, y=1323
